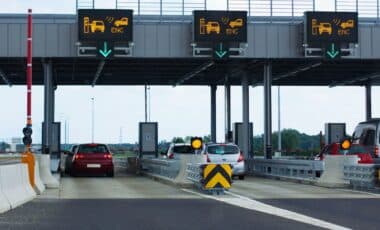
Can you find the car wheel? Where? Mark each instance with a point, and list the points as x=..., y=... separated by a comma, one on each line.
x=241, y=177
x=111, y=174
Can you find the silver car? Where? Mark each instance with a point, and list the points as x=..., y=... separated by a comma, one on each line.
x=227, y=153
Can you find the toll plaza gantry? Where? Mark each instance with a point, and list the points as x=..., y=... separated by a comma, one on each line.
x=207, y=48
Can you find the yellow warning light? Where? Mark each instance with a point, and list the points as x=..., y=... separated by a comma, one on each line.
x=345, y=145
x=196, y=143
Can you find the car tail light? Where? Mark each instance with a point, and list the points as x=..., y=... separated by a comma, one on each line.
x=365, y=158
x=171, y=156
x=208, y=159
x=241, y=157
x=107, y=156
x=377, y=152
x=78, y=156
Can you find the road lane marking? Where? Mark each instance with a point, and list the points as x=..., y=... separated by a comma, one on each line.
x=248, y=203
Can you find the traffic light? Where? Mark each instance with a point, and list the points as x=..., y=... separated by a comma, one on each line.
x=196, y=143
x=346, y=144
x=27, y=139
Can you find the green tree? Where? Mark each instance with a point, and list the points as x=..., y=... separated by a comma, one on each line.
x=4, y=146
x=206, y=139
x=178, y=140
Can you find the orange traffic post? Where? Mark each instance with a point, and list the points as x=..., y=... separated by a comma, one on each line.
x=29, y=159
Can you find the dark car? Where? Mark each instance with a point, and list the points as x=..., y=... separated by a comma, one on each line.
x=90, y=159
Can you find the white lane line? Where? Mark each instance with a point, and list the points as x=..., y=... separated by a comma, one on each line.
x=355, y=192
x=247, y=203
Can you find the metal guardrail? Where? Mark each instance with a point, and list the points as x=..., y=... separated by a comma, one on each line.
x=162, y=167
x=194, y=173
x=6, y=159
x=362, y=176
x=290, y=169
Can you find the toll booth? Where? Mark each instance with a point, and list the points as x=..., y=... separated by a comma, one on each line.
x=334, y=132
x=148, y=139
x=237, y=133
x=54, y=145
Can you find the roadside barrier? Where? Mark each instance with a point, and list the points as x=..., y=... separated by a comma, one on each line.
x=211, y=178
x=363, y=176
x=173, y=171
x=39, y=185
x=306, y=170
x=334, y=171
x=15, y=184
x=44, y=167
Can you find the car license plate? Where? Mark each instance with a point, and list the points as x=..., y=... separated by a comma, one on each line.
x=93, y=165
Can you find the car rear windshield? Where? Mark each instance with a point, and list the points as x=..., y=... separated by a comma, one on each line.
x=183, y=149
x=364, y=135
x=93, y=149
x=222, y=149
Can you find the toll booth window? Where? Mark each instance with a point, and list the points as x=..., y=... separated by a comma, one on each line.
x=222, y=149
x=93, y=149
x=185, y=149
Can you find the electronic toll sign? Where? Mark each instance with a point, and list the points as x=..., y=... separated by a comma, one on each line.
x=105, y=25
x=331, y=27
x=220, y=26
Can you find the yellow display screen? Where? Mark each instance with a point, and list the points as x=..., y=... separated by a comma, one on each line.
x=331, y=27
x=220, y=26
x=105, y=25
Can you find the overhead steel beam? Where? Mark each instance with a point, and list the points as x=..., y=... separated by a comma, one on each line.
x=297, y=71
x=98, y=72
x=356, y=79
x=239, y=71
x=5, y=78
x=194, y=73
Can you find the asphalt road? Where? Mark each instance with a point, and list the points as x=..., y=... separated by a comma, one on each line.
x=352, y=213
x=139, y=214
x=134, y=202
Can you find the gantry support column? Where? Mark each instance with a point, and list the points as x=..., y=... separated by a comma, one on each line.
x=245, y=94
x=368, y=102
x=268, y=110
x=213, y=112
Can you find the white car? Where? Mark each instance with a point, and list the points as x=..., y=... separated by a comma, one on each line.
x=175, y=150
x=227, y=153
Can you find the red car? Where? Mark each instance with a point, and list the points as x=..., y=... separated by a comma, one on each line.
x=334, y=149
x=92, y=159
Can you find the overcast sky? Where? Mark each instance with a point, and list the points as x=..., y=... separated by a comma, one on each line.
x=180, y=111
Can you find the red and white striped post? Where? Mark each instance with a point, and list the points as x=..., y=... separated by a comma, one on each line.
x=29, y=74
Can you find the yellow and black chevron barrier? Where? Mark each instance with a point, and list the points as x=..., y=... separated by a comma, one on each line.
x=217, y=176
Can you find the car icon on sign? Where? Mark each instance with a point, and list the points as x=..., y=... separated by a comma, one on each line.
x=236, y=23
x=121, y=22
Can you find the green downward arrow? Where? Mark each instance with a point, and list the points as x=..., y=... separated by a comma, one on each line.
x=220, y=53
x=105, y=51
x=332, y=52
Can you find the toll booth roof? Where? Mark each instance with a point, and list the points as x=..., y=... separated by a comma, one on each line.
x=194, y=71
